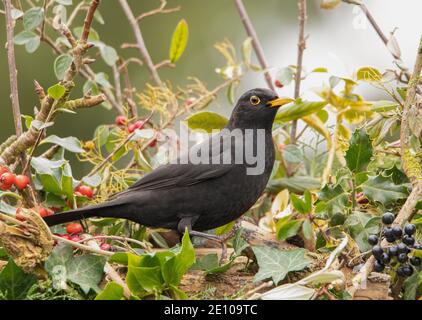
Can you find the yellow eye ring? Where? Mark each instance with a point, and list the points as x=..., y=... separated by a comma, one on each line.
x=254, y=100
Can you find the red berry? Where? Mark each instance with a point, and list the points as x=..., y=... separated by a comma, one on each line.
x=85, y=191
x=44, y=212
x=21, y=181
x=75, y=238
x=131, y=128
x=190, y=101
x=278, y=84
x=105, y=247
x=7, y=178
x=153, y=143
x=121, y=120
x=139, y=124
x=64, y=236
x=3, y=170
x=5, y=187
x=74, y=228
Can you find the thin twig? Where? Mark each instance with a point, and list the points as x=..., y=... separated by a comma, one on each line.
x=300, y=49
x=160, y=9
x=13, y=74
x=140, y=43
x=259, y=51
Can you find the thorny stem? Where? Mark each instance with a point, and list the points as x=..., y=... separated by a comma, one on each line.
x=259, y=51
x=13, y=74
x=301, y=46
x=140, y=43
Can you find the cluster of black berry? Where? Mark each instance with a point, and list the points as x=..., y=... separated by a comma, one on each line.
x=396, y=255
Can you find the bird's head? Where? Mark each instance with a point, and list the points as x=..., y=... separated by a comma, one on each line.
x=257, y=108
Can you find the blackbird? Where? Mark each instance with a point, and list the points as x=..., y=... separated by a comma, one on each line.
x=200, y=196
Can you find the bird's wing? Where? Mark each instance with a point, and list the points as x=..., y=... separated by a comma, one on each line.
x=179, y=175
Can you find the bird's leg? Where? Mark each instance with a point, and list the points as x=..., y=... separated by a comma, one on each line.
x=187, y=223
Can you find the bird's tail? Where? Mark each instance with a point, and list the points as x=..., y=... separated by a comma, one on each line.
x=104, y=210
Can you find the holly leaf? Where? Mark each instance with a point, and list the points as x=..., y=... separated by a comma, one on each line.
x=14, y=282
x=383, y=190
x=361, y=226
x=276, y=264
x=335, y=199
x=360, y=151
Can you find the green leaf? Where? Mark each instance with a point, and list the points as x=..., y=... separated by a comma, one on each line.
x=14, y=282
x=298, y=110
x=57, y=91
x=334, y=198
x=287, y=228
x=292, y=154
x=360, y=151
x=207, y=121
x=361, y=226
x=71, y=144
x=384, y=106
x=298, y=203
x=93, y=181
x=86, y=271
x=109, y=54
x=383, y=190
x=32, y=18
x=368, y=74
x=93, y=35
x=296, y=184
x=177, y=266
x=32, y=45
x=61, y=64
x=276, y=264
x=60, y=256
x=112, y=291
x=308, y=232
x=24, y=37
x=179, y=41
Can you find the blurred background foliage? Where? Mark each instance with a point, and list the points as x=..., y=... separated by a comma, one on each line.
x=343, y=33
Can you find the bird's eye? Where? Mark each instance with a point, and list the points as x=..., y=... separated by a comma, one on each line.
x=255, y=100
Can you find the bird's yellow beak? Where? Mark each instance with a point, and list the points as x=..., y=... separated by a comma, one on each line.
x=279, y=102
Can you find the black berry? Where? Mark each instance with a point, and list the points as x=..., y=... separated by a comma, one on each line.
x=392, y=251
x=377, y=251
x=409, y=240
x=402, y=248
x=402, y=257
x=385, y=258
x=388, y=232
x=400, y=271
x=378, y=266
x=390, y=239
x=388, y=218
x=397, y=232
x=373, y=240
x=415, y=261
x=407, y=270
x=410, y=229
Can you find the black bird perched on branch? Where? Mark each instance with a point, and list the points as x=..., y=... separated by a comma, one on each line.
x=206, y=195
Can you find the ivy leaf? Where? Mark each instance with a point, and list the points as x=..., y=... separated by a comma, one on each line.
x=57, y=91
x=276, y=264
x=207, y=121
x=14, y=282
x=112, y=291
x=32, y=18
x=179, y=41
x=383, y=190
x=298, y=110
x=360, y=151
x=61, y=64
x=71, y=144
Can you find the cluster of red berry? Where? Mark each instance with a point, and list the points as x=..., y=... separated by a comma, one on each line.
x=73, y=231
x=8, y=179
x=123, y=121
